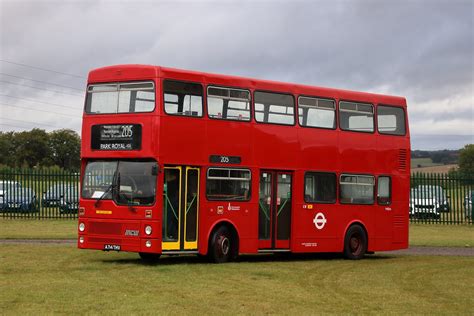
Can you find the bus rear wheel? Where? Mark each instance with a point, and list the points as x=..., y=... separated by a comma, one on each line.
x=149, y=257
x=355, y=243
x=221, y=246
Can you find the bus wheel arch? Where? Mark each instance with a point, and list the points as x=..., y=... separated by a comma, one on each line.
x=223, y=242
x=356, y=241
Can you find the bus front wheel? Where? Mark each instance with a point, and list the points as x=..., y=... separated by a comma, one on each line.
x=221, y=245
x=355, y=243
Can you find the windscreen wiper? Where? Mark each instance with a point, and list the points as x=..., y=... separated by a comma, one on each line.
x=109, y=188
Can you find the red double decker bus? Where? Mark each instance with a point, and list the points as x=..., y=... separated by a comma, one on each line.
x=185, y=162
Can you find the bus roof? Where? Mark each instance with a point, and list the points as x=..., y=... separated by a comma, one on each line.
x=141, y=72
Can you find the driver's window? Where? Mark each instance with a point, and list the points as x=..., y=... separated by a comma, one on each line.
x=136, y=183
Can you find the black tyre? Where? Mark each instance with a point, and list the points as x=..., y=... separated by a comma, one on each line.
x=355, y=243
x=221, y=246
x=149, y=257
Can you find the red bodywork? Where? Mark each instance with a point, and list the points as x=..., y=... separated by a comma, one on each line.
x=189, y=141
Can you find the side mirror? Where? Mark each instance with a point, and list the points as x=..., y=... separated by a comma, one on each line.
x=154, y=170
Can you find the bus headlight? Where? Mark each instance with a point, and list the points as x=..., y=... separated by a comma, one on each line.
x=81, y=240
x=148, y=243
x=148, y=230
x=82, y=227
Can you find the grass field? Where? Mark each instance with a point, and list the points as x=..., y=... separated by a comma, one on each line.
x=434, y=169
x=422, y=162
x=48, y=279
x=34, y=229
x=442, y=235
x=420, y=234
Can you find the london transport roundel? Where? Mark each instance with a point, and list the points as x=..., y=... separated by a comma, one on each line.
x=319, y=220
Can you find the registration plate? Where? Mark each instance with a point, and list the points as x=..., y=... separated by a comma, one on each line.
x=112, y=247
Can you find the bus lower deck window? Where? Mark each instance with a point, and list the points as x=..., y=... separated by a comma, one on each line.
x=320, y=187
x=228, y=184
x=356, y=189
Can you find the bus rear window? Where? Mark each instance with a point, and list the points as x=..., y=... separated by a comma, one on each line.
x=226, y=184
x=127, y=97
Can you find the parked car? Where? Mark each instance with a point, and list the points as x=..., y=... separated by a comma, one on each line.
x=468, y=205
x=22, y=200
x=424, y=204
x=438, y=193
x=54, y=193
x=69, y=203
x=6, y=185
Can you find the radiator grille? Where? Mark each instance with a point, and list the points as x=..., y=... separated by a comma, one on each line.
x=399, y=221
x=402, y=159
x=101, y=228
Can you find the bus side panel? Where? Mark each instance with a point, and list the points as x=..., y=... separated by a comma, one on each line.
x=239, y=215
x=315, y=226
x=393, y=159
x=275, y=146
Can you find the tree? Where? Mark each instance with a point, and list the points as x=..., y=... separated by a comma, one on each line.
x=65, y=148
x=466, y=161
x=31, y=148
x=7, y=148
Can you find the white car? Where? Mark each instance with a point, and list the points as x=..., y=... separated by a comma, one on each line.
x=424, y=205
x=468, y=205
x=6, y=185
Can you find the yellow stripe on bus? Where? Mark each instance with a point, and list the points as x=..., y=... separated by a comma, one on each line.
x=103, y=212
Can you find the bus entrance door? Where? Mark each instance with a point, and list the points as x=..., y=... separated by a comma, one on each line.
x=180, y=208
x=274, y=210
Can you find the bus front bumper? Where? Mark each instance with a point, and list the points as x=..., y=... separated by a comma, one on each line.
x=118, y=235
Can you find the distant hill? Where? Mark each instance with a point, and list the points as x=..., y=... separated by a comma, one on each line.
x=425, y=158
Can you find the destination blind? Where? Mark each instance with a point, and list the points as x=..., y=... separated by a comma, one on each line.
x=116, y=137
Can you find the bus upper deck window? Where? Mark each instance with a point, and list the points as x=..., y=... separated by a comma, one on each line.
x=182, y=98
x=276, y=108
x=357, y=117
x=390, y=120
x=120, y=98
x=228, y=104
x=315, y=112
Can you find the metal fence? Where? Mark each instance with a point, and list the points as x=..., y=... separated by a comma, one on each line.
x=42, y=194
x=39, y=194
x=439, y=198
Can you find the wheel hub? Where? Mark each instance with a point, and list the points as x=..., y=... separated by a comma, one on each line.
x=225, y=245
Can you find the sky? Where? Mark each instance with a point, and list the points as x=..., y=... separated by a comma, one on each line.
x=419, y=49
